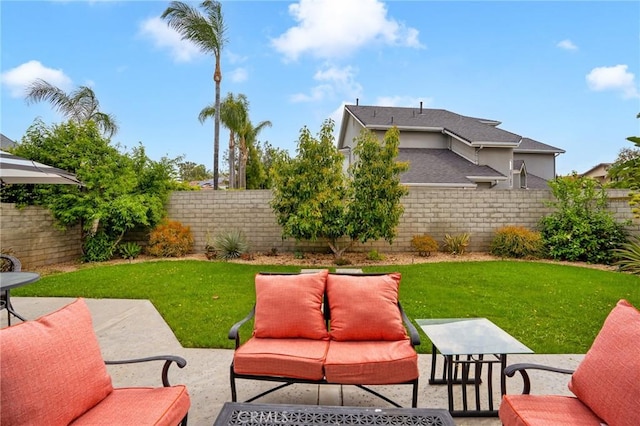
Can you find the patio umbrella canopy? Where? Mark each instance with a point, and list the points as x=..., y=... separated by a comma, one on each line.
x=18, y=170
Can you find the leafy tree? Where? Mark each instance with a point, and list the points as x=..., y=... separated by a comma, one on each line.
x=315, y=200
x=260, y=164
x=189, y=171
x=78, y=106
x=207, y=31
x=375, y=208
x=120, y=192
x=625, y=172
x=581, y=228
x=248, y=136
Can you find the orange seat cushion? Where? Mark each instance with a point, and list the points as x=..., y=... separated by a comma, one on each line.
x=140, y=406
x=371, y=363
x=290, y=306
x=365, y=307
x=52, y=370
x=608, y=378
x=545, y=410
x=294, y=358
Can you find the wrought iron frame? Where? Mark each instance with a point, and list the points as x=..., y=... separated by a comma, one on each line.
x=234, y=334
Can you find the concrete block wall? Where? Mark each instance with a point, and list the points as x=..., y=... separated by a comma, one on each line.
x=432, y=211
x=33, y=238
x=31, y=233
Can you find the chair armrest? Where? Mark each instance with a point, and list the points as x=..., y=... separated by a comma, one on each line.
x=168, y=359
x=413, y=332
x=234, y=332
x=522, y=368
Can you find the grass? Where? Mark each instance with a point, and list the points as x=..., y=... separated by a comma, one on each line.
x=551, y=308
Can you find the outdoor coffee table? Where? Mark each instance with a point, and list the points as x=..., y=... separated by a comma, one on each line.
x=235, y=413
x=464, y=342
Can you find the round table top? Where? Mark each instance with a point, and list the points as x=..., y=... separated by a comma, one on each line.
x=9, y=280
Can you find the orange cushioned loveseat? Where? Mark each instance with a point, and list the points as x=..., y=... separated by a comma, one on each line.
x=606, y=383
x=53, y=373
x=327, y=329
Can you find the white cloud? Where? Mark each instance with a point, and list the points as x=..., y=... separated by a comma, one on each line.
x=336, y=28
x=238, y=75
x=334, y=81
x=615, y=78
x=165, y=37
x=17, y=79
x=403, y=101
x=567, y=45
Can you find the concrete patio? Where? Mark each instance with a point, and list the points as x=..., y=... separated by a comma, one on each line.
x=135, y=329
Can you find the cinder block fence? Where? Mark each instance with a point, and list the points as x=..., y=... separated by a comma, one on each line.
x=34, y=239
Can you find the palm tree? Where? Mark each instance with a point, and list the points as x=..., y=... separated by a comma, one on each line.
x=79, y=106
x=208, y=33
x=233, y=114
x=248, y=136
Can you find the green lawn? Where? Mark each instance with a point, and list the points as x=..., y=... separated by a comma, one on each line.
x=551, y=308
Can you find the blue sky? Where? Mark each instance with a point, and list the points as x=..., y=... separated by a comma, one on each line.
x=564, y=73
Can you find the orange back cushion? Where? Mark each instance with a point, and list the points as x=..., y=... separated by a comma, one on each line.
x=608, y=379
x=52, y=368
x=290, y=306
x=365, y=307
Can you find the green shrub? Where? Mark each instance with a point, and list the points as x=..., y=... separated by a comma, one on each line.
x=231, y=244
x=170, y=239
x=628, y=256
x=581, y=228
x=456, y=244
x=98, y=248
x=516, y=241
x=424, y=244
x=129, y=250
x=375, y=256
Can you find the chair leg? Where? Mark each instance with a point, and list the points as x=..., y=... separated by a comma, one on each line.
x=232, y=378
x=184, y=420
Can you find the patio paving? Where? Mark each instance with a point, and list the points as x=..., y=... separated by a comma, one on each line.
x=135, y=329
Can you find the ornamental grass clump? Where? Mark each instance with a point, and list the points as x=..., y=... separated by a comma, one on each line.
x=628, y=256
x=170, y=239
x=456, y=244
x=231, y=244
x=517, y=242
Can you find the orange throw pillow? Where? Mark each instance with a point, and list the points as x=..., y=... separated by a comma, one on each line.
x=52, y=368
x=608, y=378
x=290, y=306
x=365, y=307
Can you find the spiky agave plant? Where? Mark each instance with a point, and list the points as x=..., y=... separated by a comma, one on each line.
x=628, y=256
x=231, y=244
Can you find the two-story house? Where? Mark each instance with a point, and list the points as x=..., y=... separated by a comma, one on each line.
x=449, y=150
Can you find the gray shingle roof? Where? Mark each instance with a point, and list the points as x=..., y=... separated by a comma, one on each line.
x=536, y=182
x=470, y=129
x=441, y=166
x=532, y=146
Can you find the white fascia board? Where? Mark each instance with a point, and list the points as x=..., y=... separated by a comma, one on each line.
x=453, y=135
x=443, y=185
x=405, y=128
x=486, y=178
x=539, y=151
x=493, y=144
